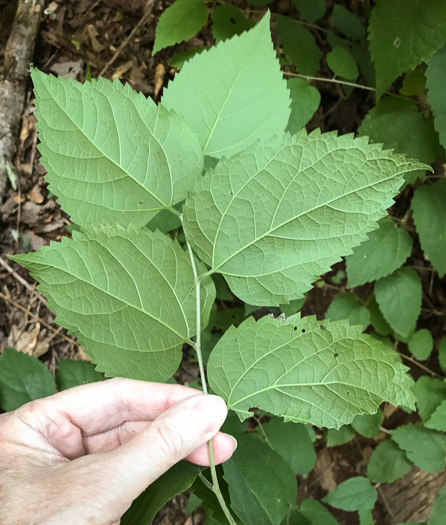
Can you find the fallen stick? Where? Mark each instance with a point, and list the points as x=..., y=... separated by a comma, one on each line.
x=19, y=53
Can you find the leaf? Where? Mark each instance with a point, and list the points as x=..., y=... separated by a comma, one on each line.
x=366, y=517
x=180, y=59
x=385, y=250
x=255, y=498
x=368, y=425
x=23, y=378
x=377, y=320
x=442, y=354
x=429, y=215
x=233, y=94
x=438, y=511
x=312, y=10
x=345, y=306
x=435, y=82
x=112, y=155
x=353, y=494
x=176, y=480
x=402, y=34
x=414, y=82
x=421, y=344
x=129, y=296
x=429, y=456
x=305, y=100
x=387, y=463
x=74, y=373
x=314, y=511
x=399, y=299
x=438, y=419
x=343, y=435
x=347, y=23
x=179, y=22
x=227, y=21
x=165, y=222
x=293, y=307
x=430, y=392
x=297, y=370
x=342, y=63
x=274, y=217
x=399, y=125
x=293, y=443
x=299, y=45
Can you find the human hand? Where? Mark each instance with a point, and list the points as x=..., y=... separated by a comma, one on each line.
x=83, y=455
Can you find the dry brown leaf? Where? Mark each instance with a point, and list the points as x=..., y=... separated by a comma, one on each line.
x=34, y=195
x=160, y=73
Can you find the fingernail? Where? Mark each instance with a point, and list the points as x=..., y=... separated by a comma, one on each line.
x=213, y=410
x=235, y=443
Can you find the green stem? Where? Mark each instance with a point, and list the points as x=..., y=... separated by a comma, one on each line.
x=215, y=484
x=334, y=80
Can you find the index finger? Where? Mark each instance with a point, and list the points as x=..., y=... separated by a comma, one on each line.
x=98, y=407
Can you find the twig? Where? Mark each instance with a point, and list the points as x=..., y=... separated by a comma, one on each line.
x=37, y=318
x=22, y=281
x=131, y=35
x=420, y=365
x=333, y=80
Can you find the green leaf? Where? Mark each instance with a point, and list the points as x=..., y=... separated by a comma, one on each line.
x=435, y=82
x=129, y=296
x=164, y=221
x=176, y=480
x=421, y=344
x=438, y=511
x=414, y=82
x=366, y=517
x=233, y=94
x=399, y=299
x=293, y=443
x=23, y=378
x=352, y=494
x=312, y=10
x=442, y=354
x=399, y=125
x=368, y=425
x=345, y=306
x=402, y=34
x=377, y=320
x=347, y=23
x=429, y=215
x=299, y=45
x=421, y=447
x=305, y=100
x=293, y=307
x=387, y=463
x=343, y=435
x=74, y=373
x=386, y=249
x=112, y=155
x=231, y=316
x=342, y=63
x=180, y=59
x=181, y=21
x=227, y=21
x=430, y=392
x=438, y=419
x=316, y=513
x=255, y=498
x=306, y=372
x=274, y=217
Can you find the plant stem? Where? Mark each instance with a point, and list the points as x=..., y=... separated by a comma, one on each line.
x=335, y=80
x=215, y=484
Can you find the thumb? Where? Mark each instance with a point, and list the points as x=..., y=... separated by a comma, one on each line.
x=170, y=437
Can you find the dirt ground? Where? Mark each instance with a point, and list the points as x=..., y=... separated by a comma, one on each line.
x=113, y=38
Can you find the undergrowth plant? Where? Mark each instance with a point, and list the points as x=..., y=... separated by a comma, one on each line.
x=210, y=193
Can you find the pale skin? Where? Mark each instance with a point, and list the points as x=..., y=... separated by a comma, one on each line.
x=82, y=456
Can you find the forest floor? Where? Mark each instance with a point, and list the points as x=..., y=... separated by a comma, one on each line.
x=82, y=37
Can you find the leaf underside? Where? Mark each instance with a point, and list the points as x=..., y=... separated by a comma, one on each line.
x=232, y=94
x=306, y=372
x=112, y=155
x=106, y=286
x=273, y=218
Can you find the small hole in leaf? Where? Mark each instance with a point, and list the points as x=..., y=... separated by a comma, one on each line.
x=232, y=19
x=295, y=328
x=335, y=355
x=322, y=327
x=303, y=330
